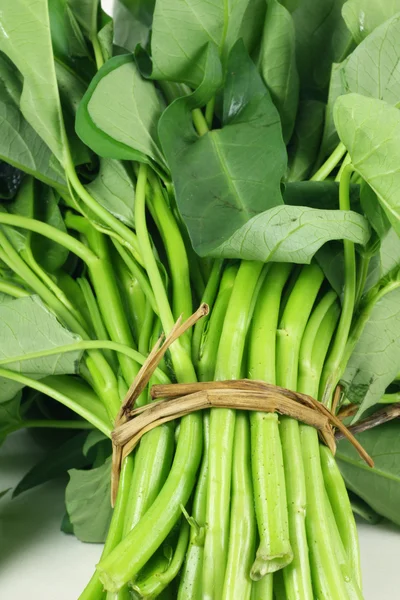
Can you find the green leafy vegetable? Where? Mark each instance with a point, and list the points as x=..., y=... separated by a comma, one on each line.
x=363, y=16
x=370, y=131
x=113, y=188
x=379, y=486
x=88, y=502
x=132, y=22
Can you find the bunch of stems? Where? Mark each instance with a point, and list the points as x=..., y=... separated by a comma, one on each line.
x=223, y=505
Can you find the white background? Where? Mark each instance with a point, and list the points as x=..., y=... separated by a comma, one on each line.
x=38, y=562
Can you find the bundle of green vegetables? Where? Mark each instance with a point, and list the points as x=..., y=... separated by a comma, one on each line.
x=245, y=155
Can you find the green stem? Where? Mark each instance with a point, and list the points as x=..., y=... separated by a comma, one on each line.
x=146, y=330
x=274, y=550
x=88, y=345
x=86, y=412
x=176, y=254
x=209, y=351
x=210, y=112
x=242, y=531
x=98, y=55
x=331, y=373
x=209, y=296
x=199, y=122
x=341, y=506
x=157, y=582
x=134, y=299
x=94, y=588
x=393, y=398
x=264, y=588
x=222, y=428
x=52, y=233
x=331, y=162
x=12, y=290
x=51, y=424
x=297, y=575
x=190, y=587
x=122, y=230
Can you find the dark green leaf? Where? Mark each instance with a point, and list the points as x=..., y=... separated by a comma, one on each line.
x=10, y=180
x=387, y=259
x=23, y=206
x=373, y=211
x=25, y=39
x=26, y=325
x=363, y=16
x=57, y=462
x=66, y=35
x=10, y=402
x=86, y=13
x=20, y=145
x=113, y=188
x=106, y=35
x=4, y=492
x=179, y=45
x=331, y=260
x=375, y=360
x=370, y=130
x=330, y=138
x=319, y=194
x=304, y=145
x=229, y=175
x=132, y=22
x=94, y=438
x=252, y=24
x=363, y=510
x=277, y=64
x=88, y=502
x=379, y=486
x=321, y=39
x=118, y=115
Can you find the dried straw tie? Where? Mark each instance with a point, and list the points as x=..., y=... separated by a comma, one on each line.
x=180, y=399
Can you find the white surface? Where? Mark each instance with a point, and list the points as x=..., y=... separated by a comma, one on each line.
x=38, y=562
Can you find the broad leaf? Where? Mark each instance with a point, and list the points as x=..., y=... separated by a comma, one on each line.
x=23, y=205
x=387, y=259
x=375, y=360
x=105, y=36
x=25, y=38
x=113, y=188
x=88, y=502
x=304, y=145
x=363, y=16
x=179, y=45
x=379, y=486
x=277, y=64
x=321, y=39
x=20, y=145
x=330, y=138
x=69, y=44
x=292, y=234
x=226, y=177
x=10, y=401
x=372, y=69
x=26, y=325
x=86, y=13
x=69, y=455
x=252, y=24
x=370, y=130
x=132, y=22
x=119, y=113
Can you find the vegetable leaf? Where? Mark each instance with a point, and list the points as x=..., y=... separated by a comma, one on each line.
x=132, y=22
x=375, y=360
x=224, y=178
x=370, y=130
x=57, y=462
x=26, y=325
x=88, y=502
x=379, y=486
x=86, y=13
x=118, y=115
x=277, y=64
x=363, y=16
x=25, y=38
x=304, y=145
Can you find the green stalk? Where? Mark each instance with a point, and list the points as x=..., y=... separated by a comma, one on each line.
x=98, y=55
x=363, y=267
x=154, y=585
x=331, y=373
x=176, y=255
x=88, y=345
x=297, y=575
x=352, y=587
x=279, y=587
x=331, y=162
x=99, y=328
x=146, y=330
x=263, y=589
x=86, y=409
x=341, y=506
x=274, y=551
x=134, y=298
x=12, y=290
x=140, y=544
x=208, y=297
x=190, y=587
x=242, y=531
x=103, y=376
x=49, y=424
x=94, y=588
x=208, y=353
x=152, y=465
x=222, y=428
